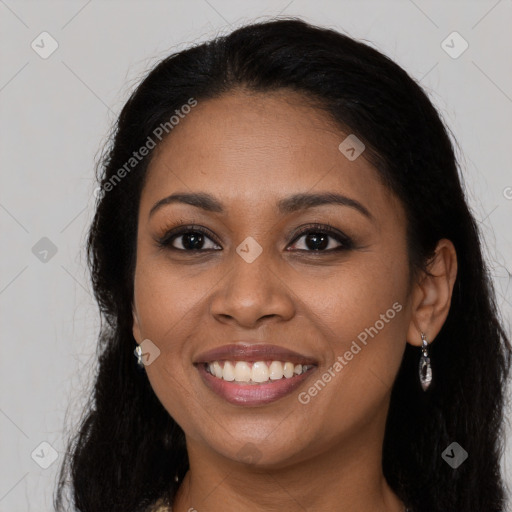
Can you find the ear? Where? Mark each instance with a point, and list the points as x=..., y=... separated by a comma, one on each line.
x=136, y=325
x=432, y=294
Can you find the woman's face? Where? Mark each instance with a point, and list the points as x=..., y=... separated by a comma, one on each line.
x=337, y=301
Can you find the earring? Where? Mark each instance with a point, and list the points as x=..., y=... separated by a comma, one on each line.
x=425, y=370
x=138, y=354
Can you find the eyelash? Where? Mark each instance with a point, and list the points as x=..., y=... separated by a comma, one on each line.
x=325, y=229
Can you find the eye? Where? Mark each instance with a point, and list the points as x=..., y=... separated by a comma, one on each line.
x=319, y=238
x=192, y=239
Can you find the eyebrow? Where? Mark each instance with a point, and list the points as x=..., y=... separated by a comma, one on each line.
x=287, y=205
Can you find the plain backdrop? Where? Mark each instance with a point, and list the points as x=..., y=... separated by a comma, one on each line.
x=56, y=111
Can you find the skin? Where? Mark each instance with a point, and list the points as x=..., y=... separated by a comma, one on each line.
x=249, y=150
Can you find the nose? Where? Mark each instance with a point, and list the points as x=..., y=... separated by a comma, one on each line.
x=251, y=294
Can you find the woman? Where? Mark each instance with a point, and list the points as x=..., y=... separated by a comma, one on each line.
x=298, y=315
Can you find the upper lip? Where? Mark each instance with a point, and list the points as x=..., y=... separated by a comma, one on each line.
x=253, y=351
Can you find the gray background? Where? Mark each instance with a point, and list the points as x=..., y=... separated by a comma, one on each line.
x=56, y=113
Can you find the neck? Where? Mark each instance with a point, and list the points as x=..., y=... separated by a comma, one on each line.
x=348, y=477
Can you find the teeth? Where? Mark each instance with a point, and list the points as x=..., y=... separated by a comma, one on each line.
x=217, y=369
x=242, y=372
x=228, y=372
x=288, y=370
x=276, y=370
x=257, y=372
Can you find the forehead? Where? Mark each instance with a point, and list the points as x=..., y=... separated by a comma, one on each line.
x=250, y=149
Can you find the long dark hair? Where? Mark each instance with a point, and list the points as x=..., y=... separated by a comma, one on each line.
x=128, y=449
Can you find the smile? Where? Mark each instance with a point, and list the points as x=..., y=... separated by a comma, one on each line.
x=258, y=372
x=253, y=374
x=257, y=383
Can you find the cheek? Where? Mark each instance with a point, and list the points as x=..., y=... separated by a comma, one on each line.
x=169, y=309
x=360, y=313
x=354, y=296
x=162, y=308
x=165, y=301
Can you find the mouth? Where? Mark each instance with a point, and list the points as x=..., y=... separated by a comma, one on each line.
x=253, y=374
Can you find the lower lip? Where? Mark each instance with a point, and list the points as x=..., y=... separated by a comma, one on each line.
x=239, y=393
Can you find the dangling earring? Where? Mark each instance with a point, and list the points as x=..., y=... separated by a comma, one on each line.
x=425, y=370
x=138, y=354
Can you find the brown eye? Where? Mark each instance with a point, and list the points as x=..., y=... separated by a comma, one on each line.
x=189, y=238
x=322, y=238
x=318, y=238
